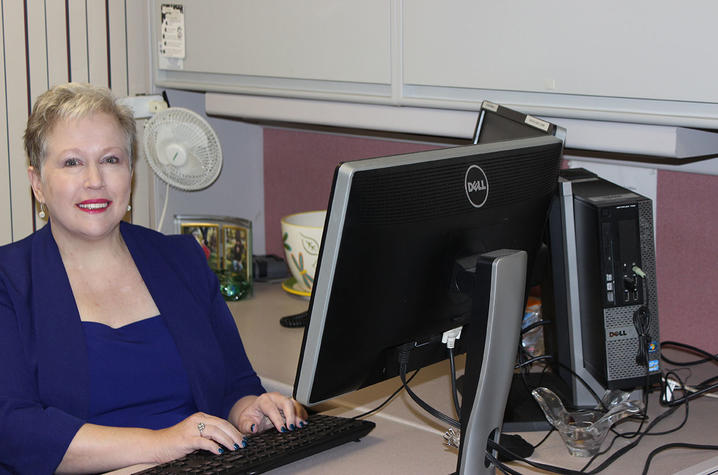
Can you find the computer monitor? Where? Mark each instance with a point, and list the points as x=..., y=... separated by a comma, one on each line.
x=393, y=272
x=497, y=123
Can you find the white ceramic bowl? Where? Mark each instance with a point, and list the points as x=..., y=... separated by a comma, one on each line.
x=302, y=236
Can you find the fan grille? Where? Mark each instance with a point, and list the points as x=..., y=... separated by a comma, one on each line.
x=176, y=131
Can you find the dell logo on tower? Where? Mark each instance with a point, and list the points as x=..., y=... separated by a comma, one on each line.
x=476, y=185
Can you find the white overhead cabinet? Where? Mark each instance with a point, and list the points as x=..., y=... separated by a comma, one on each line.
x=632, y=61
x=313, y=48
x=643, y=61
x=639, y=49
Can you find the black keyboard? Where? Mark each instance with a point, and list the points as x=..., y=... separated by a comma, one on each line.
x=272, y=449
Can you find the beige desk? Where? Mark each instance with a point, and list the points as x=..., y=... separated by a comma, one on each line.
x=406, y=440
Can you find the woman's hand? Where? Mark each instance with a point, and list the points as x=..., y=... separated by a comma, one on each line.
x=254, y=414
x=198, y=431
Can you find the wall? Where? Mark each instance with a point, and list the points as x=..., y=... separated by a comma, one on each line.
x=49, y=42
x=298, y=167
x=239, y=188
x=687, y=257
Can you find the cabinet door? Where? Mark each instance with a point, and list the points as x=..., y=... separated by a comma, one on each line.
x=639, y=49
x=230, y=44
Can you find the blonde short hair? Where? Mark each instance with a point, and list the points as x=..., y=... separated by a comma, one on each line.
x=73, y=101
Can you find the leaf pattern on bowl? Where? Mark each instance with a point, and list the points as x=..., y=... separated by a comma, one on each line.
x=310, y=245
x=285, y=236
x=299, y=264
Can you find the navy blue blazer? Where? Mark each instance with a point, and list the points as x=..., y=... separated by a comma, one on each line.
x=44, y=388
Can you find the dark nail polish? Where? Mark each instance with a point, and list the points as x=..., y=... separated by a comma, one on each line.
x=284, y=429
x=244, y=442
x=220, y=450
x=303, y=424
x=292, y=427
x=236, y=446
x=253, y=428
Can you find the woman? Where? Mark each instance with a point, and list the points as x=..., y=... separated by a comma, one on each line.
x=116, y=346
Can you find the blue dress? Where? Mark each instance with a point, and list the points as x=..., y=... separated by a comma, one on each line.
x=136, y=376
x=45, y=389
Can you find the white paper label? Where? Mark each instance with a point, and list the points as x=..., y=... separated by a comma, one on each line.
x=538, y=123
x=172, y=40
x=490, y=106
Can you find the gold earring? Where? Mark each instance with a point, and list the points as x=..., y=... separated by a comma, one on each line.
x=41, y=213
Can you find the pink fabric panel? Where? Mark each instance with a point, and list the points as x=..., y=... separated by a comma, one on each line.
x=299, y=167
x=298, y=171
x=687, y=258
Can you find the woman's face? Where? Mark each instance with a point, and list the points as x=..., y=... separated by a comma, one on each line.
x=85, y=177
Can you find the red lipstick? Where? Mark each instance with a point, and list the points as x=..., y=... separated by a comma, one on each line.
x=94, y=206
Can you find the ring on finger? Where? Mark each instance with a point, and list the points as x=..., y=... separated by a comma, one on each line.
x=200, y=428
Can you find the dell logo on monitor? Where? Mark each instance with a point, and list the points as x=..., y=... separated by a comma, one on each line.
x=476, y=185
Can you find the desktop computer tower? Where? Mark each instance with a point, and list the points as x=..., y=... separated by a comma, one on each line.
x=604, y=286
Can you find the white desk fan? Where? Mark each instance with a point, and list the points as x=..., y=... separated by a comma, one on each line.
x=183, y=150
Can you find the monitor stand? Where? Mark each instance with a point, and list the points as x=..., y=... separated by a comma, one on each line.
x=491, y=340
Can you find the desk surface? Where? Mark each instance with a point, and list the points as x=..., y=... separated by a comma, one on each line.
x=403, y=431
x=406, y=440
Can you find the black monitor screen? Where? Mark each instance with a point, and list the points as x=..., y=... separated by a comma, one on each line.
x=395, y=228
x=497, y=123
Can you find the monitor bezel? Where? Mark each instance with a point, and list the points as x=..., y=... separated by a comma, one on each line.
x=332, y=238
x=531, y=123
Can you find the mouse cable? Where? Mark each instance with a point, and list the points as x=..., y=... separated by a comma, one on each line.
x=669, y=386
x=707, y=382
x=500, y=465
x=677, y=428
x=647, y=433
x=403, y=361
x=545, y=438
x=533, y=325
x=643, y=415
x=598, y=454
x=622, y=451
x=688, y=349
x=549, y=359
x=706, y=391
x=454, y=389
x=527, y=386
x=533, y=360
x=386, y=401
x=690, y=395
x=675, y=445
x=523, y=366
x=685, y=415
x=640, y=435
x=553, y=469
x=492, y=445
